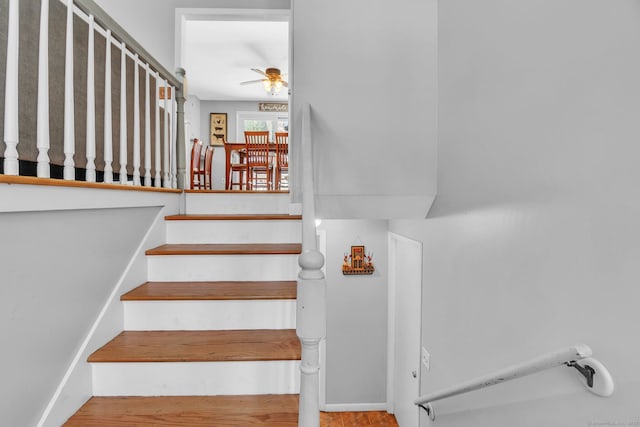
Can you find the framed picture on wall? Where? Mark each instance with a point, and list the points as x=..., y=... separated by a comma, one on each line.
x=218, y=129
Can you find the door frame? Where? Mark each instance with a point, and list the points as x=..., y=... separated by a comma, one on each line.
x=393, y=239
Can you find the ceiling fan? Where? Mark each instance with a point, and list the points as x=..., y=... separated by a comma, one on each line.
x=272, y=80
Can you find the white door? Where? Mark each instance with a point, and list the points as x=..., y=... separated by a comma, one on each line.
x=405, y=299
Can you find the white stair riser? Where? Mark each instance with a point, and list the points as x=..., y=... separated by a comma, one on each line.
x=209, y=315
x=196, y=378
x=231, y=231
x=248, y=203
x=222, y=267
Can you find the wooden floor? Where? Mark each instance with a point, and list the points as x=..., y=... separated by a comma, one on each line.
x=200, y=346
x=190, y=291
x=234, y=217
x=227, y=249
x=219, y=411
x=357, y=419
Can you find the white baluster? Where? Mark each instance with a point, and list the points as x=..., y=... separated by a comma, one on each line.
x=147, y=131
x=158, y=178
x=69, y=113
x=167, y=178
x=11, y=125
x=42, y=135
x=136, y=121
x=91, y=107
x=108, y=131
x=123, y=115
x=172, y=138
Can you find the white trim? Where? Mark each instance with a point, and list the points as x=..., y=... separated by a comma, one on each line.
x=354, y=407
x=322, y=247
x=391, y=316
x=112, y=297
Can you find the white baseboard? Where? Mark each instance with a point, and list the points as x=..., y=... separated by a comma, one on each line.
x=355, y=407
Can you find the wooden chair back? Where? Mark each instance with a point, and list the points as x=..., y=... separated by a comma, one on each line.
x=258, y=159
x=196, y=150
x=208, y=160
x=282, y=149
x=257, y=147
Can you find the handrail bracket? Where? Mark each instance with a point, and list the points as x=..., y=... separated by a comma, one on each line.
x=587, y=371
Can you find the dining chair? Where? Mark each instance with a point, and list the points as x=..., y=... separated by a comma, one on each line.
x=237, y=167
x=258, y=159
x=208, y=160
x=282, y=159
x=196, y=150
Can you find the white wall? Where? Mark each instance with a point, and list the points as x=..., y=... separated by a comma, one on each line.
x=59, y=266
x=356, y=316
x=192, y=115
x=532, y=243
x=152, y=23
x=368, y=70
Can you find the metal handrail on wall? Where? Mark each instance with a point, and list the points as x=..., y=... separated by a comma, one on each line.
x=596, y=376
x=310, y=305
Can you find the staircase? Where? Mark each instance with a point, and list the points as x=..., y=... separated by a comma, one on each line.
x=210, y=339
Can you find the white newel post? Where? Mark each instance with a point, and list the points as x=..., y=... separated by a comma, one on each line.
x=91, y=107
x=108, y=122
x=311, y=300
x=158, y=178
x=136, y=121
x=123, y=114
x=147, y=130
x=11, y=126
x=166, y=163
x=42, y=132
x=69, y=113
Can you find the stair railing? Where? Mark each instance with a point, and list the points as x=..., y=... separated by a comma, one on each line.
x=597, y=378
x=166, y=175
x=310, y=309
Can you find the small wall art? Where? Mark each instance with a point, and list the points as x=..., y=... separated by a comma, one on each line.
x=358, y=262
x=218, y=128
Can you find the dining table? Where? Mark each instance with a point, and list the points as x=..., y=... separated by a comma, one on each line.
x=241, y=148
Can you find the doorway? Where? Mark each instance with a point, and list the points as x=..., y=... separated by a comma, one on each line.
x=226, y=53
x=404, y=328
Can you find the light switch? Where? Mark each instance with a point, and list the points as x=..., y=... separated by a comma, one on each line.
x=426, y=359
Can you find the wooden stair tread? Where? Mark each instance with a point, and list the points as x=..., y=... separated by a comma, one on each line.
x=185, y=291
x=233, y=217
x=227, y=249
x=265, y=410
x=200, y=346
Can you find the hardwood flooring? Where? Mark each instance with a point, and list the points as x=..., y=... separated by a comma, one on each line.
x=227, y=249
x=235, y=217
x=219, y=411
x=200, y=346
x=357, y=419
x=189, y=291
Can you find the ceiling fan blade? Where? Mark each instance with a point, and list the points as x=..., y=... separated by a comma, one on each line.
x=259, y=72
x=250, y=82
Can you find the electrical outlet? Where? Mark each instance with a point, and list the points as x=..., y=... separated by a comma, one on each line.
x=426, y=359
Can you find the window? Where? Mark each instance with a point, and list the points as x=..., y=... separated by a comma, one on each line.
x=257, y=121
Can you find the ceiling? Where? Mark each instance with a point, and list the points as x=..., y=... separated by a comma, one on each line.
x=219, y=55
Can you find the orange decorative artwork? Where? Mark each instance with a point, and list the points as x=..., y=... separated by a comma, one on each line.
x=358, y=262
